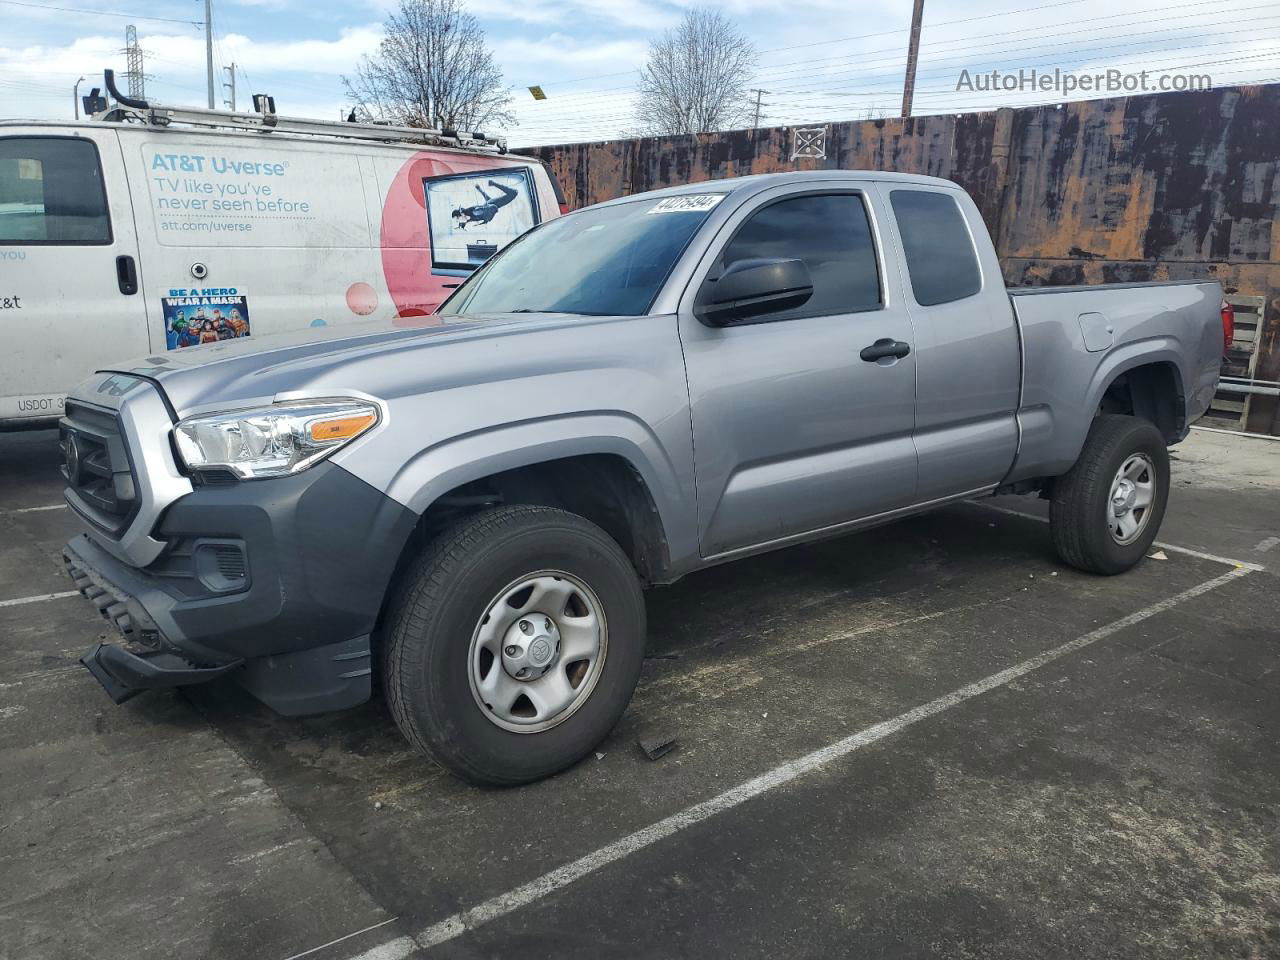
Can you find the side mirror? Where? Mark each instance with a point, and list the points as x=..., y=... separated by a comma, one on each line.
x=752, y=288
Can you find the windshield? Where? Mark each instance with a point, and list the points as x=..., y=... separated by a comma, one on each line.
x=604, y=261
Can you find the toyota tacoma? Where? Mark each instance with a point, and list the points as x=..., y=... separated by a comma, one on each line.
x=467, y=513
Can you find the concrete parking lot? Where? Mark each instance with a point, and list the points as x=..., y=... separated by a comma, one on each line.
x=929, y=740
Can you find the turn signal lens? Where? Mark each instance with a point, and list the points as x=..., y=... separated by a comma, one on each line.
x=341, y=428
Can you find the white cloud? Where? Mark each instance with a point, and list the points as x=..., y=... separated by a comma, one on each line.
x=640, y=14
x=557, y=49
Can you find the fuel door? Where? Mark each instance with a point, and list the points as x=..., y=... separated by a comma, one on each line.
x=1097, y=331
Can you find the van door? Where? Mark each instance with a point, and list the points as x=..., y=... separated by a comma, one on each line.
x=249, y=236
x=802, y=419
x=69, y=272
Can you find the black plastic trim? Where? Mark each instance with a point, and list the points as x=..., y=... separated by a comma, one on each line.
x=124, y=675
x=320, y=548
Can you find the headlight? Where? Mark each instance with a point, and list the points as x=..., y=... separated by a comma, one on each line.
x=272, y=441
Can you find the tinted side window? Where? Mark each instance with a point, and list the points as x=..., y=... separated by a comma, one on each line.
x=51, y=192
x=832, y=235
x=940, y=254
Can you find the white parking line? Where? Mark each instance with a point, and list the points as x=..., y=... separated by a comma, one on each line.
x=51, y=506
x=547, y=884
x=396, y=949
x=1159, y=543
x=37, y=599
x=1265, y=545
x=374, y=926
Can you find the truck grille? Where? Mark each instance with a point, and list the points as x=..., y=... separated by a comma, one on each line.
x=96, y=465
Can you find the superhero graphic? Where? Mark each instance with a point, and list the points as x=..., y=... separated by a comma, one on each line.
x=196, y=317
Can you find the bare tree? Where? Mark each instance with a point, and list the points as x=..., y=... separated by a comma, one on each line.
x=432, y=69
x=696, y=77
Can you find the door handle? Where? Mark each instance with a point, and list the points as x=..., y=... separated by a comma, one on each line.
x=127, y=275
x=885, y=348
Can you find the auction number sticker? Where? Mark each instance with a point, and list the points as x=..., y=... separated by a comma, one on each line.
x=695, y=203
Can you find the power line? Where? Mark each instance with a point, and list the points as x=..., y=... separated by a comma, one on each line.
x=99, y=13
x=1062, y=58
x=864, y=36
x=772, y=73
x=970, y=57
x=571, y=131
x=1154, y=66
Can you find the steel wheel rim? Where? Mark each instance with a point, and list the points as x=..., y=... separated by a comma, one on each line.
x=1133, y=492
x=560, y=612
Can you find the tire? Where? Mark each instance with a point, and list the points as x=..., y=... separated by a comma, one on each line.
x=1081, y=515
x=450, y=608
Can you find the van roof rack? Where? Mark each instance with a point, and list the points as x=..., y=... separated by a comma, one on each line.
x=267, y=121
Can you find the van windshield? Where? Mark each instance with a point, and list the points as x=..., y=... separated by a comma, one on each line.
x=602, y=261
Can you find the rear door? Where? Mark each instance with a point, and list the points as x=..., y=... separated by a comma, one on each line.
x=69, y=267
x=968, y=358
x=793, y=430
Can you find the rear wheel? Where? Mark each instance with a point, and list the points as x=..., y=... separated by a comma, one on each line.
x=515, y=644
x=1106, y=510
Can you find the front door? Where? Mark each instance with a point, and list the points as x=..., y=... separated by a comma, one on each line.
x=69, y=271
x=793, y=430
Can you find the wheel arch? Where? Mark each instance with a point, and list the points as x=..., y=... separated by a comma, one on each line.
x=608, y=468
x=1145, y=378
x=1148, y=387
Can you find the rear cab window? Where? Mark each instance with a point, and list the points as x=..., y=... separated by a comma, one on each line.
x=51, y=192
x=941, y=259
x=831, y=233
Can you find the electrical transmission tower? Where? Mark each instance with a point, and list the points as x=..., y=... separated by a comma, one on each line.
x=230, y=86
x=133, y=63
x=755, y=124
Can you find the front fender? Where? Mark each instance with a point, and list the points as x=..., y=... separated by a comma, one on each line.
x=444, y=466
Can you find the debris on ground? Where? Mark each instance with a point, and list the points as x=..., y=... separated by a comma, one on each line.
x=656, y=743
x=1159, y=555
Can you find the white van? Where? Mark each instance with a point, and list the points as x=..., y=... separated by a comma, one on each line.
x=149, y=229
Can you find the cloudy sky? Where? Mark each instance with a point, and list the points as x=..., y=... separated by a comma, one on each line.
x=819, y=59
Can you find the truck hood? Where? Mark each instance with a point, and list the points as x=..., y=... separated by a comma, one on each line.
x=356, y=359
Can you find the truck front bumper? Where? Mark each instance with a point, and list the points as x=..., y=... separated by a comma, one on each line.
x=278, y=583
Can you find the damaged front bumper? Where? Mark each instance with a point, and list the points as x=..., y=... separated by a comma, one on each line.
x=284, y=598
x=141, y=661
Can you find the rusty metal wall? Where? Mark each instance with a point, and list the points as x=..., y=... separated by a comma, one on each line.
x=1169, y=186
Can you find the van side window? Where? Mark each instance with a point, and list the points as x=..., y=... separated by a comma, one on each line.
x=832, y=235
x=940, y=255
x=51, y=192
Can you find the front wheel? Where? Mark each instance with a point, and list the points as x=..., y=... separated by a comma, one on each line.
x=515, y=644
x=1106, y=510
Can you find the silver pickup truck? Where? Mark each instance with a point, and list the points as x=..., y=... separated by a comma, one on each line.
x=468, y=512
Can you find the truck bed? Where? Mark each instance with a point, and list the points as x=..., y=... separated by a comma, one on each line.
x=1078, y=339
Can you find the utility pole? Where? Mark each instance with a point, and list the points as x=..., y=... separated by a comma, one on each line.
x=913, y=54
x=208, y=46
x=231, y=86
x=759, y=93
x=75, y=96
x=133, y=64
